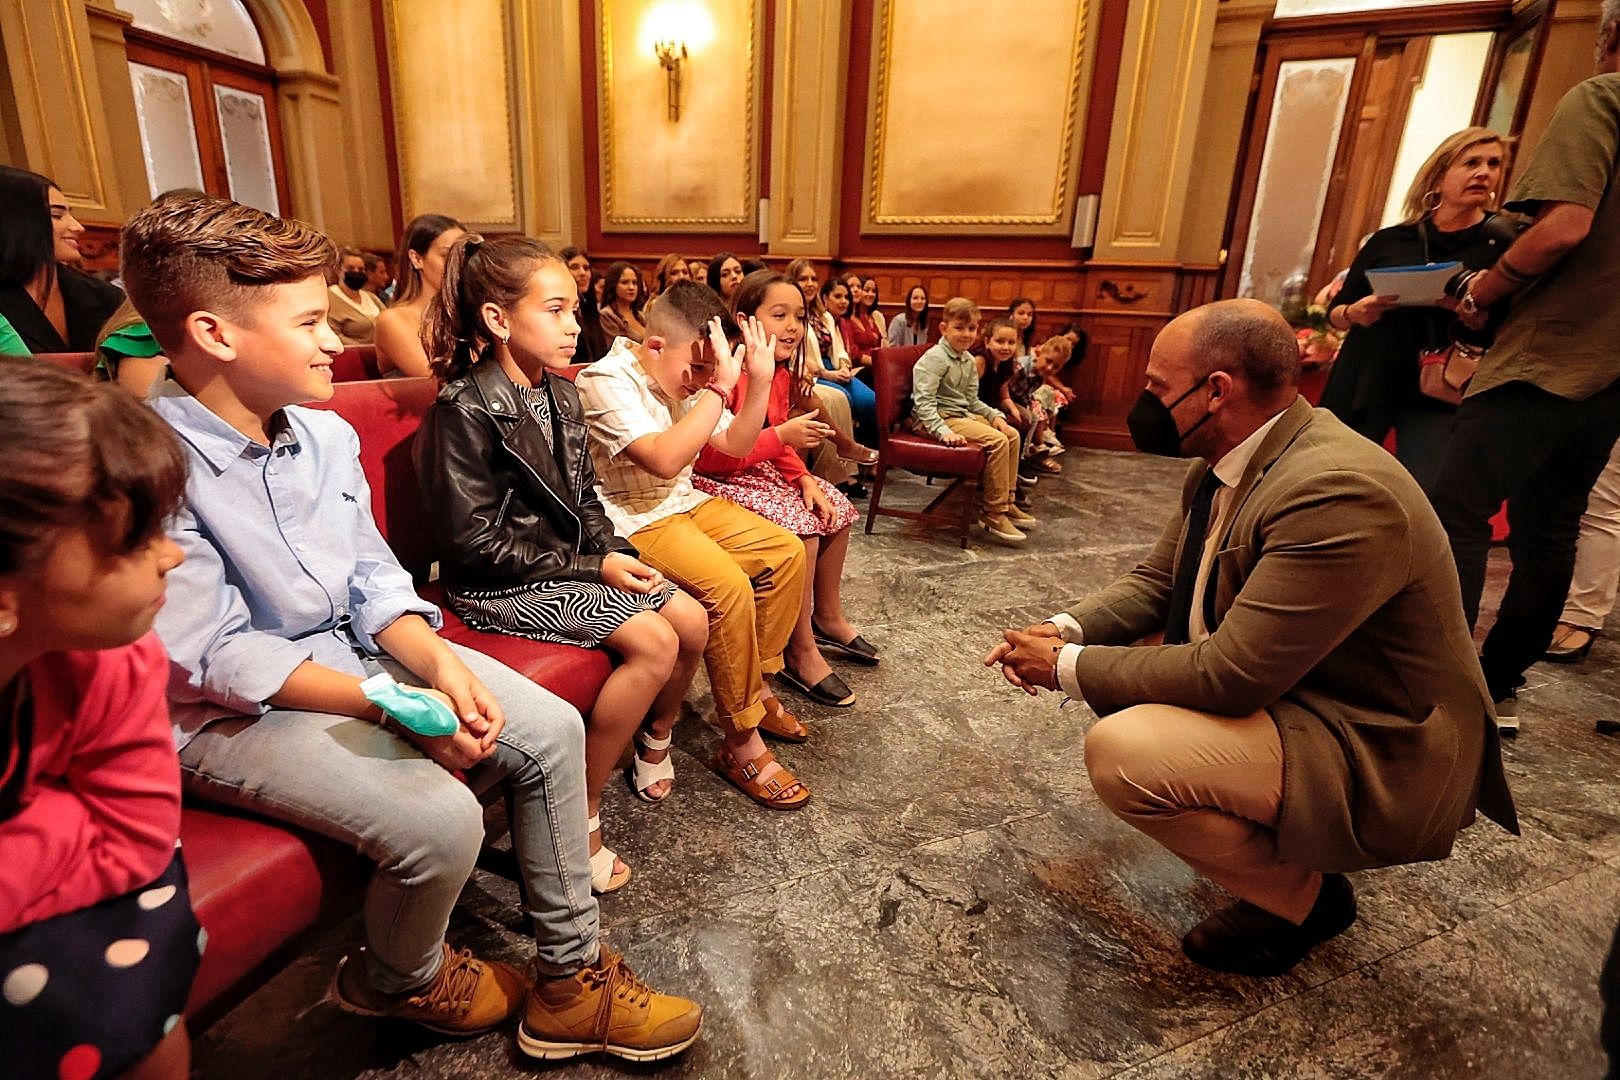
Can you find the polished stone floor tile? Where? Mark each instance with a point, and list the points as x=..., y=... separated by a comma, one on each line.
x=956, y=903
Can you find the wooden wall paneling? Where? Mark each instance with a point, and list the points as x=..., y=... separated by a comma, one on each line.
x=808, y=79
x=1150, y=151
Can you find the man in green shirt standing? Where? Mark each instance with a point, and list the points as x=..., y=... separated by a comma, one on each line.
x=1543, y=413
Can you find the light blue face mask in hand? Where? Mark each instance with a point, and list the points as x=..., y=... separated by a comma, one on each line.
x=413, y=709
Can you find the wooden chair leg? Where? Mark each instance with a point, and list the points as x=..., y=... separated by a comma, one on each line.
x=968, y=506
x=877, y=493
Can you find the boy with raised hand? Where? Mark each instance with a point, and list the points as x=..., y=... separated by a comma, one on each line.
x=289, y=598
x=945, y=405
x=651, y=407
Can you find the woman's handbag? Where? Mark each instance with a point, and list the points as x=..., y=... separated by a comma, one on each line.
x=1444, y=374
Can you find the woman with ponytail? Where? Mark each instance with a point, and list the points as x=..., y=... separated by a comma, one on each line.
x=524, y=545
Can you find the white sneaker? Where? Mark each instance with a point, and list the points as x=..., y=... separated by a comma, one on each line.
x=1507, y=716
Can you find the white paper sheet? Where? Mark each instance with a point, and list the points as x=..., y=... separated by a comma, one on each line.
x=1417, y=286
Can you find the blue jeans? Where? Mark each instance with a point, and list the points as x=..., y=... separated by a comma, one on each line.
x=862, y=405
x=349, y=780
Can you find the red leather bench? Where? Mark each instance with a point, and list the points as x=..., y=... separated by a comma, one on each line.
x=355, y=364
x=259, y=886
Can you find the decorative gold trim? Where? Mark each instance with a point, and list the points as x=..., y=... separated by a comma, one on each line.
x=401, y=129
x=615, y=222
x=882, y=49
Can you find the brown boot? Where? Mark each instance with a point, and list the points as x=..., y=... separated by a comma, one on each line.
x=467, y=996
x=605, y=1007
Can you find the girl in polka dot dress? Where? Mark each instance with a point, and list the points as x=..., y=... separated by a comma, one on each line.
x=98, y=943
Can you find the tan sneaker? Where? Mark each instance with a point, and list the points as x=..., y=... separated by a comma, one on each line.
x=1021, y=518
x=997, y=527
x=606, y=1007
x=467, y=996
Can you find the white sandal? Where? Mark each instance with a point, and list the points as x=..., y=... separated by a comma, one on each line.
x=644, y=774
x=603, y=880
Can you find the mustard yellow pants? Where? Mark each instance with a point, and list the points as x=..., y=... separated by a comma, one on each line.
x=748, y=574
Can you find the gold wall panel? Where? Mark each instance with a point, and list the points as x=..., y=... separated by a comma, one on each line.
x=699, y=173
x=974, y=114
x=452, y=111
x=57, y=96
x=1151, y=147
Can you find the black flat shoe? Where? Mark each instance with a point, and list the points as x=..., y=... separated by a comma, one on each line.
x=856, y=648
x=829, y=691
x=1246, y=940
x=854, y=490
x=1559, y=652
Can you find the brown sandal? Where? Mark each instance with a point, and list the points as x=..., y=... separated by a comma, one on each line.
x=769, y=792
x=778, y=723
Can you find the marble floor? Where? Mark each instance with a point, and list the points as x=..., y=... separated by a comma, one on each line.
x=955, y=902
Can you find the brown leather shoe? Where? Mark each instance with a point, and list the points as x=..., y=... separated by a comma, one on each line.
x=467, y=996
x=606, y=1007
x=778, y=723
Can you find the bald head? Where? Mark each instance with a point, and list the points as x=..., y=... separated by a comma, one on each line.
x=1245, y=338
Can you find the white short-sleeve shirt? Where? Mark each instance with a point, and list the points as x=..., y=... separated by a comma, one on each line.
x=623, y=404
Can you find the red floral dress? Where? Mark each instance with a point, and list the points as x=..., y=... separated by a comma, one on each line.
x=767, y=480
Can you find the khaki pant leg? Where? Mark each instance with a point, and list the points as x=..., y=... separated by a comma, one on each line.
x=1597, y=553
x=999, y=481
x=1208, y=788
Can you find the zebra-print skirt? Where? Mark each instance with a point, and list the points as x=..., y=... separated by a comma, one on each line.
x=561, y=612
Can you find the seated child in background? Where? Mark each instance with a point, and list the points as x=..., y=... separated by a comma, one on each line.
x=289, y=598
x=98, y=943
x=773, y=482
x=945, y=405
x=1006, y=384
x=1053, y=393
x=524, y=545
x=651, y=408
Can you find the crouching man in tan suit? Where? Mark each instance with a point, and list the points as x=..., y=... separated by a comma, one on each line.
x=1317, y=705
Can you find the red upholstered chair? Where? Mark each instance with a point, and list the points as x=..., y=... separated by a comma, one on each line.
x=356, y=364
x=900, y=449
x=82, y=362
x=257, y=887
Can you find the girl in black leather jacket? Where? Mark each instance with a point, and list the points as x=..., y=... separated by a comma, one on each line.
x=524, y=545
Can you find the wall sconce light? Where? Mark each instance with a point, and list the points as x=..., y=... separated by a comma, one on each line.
x=671, y=57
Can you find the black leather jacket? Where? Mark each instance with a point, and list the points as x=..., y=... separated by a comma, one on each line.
x=505, y=510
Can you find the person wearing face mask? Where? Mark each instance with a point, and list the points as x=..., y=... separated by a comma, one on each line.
x=354, y=310
x=1316, y=706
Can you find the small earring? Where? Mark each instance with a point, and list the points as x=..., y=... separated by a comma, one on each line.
x=8, y=626
x=506, y=338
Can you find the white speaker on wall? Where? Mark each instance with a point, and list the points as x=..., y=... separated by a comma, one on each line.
x=1085, y=221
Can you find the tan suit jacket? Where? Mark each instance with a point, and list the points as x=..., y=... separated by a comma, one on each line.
x=1337, y=610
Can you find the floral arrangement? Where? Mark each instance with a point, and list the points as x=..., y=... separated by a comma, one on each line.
x=1318, y=339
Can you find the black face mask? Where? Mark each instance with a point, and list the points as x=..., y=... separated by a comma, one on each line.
x=1153, y=424
x=354, y=279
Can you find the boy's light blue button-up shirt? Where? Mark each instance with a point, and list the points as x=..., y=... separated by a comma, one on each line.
x=283, y=561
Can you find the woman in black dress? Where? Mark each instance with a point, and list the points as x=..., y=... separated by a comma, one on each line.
x=1449, y=217
x=53, y=307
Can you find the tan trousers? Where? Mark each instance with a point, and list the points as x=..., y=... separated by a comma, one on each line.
x=1209, y=788
x=1597, y=553
x=833, y=406
x=998, y=484
x=749, y=576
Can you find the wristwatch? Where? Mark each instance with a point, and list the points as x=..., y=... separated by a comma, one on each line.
x=1467, y=305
